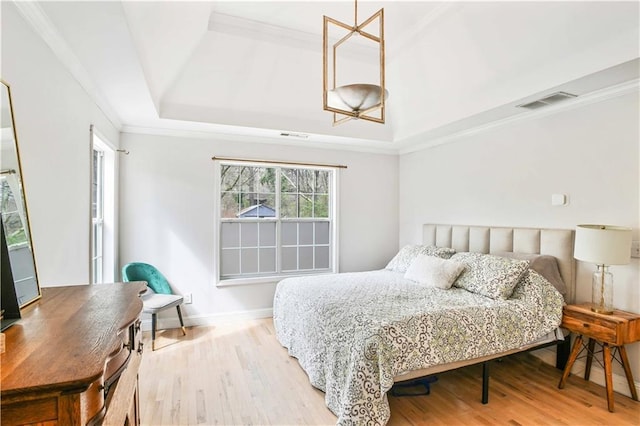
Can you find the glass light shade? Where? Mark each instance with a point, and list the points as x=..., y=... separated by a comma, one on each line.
x=602, y=291
x=359, y=97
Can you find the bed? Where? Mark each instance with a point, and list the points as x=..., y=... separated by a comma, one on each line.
x=356, y=334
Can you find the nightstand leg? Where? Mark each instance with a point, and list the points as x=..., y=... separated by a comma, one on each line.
x=590, y=347
x=606, y=355
x=627, y=372
x=577, y=345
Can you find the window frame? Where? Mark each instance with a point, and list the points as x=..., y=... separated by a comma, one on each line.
x=97, y=220
x=107, y=224
x=332, y=219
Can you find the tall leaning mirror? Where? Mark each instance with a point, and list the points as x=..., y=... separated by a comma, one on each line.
x=13, y=208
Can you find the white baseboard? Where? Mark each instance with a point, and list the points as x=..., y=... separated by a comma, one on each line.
x=548, y=355
x=210, y=319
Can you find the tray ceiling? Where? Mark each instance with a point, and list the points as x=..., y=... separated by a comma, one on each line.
x=254, y=68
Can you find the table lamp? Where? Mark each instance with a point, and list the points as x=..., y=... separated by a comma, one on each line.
x=603, y=245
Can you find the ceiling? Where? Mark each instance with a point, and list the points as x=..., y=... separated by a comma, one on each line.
x=254, y=69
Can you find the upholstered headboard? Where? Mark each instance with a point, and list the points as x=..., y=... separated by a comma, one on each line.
x=494, y=239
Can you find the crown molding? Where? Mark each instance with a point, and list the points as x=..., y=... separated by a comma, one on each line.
x=601, y=95
x=387, y=148
x=36, y=17
x=268, y=137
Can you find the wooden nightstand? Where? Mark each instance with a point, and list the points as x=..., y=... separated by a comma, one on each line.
x=611, y=331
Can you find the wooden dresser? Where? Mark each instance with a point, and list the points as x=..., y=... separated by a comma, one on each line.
x=73, y=358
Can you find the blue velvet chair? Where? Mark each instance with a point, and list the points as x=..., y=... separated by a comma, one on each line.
x=158, y=296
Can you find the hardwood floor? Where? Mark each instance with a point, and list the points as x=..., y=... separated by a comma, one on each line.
x=238, y=374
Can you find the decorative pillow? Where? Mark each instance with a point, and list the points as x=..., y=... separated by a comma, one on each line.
x=545, y=265
x=433, y=271
x=405, y=256
x=489, y=275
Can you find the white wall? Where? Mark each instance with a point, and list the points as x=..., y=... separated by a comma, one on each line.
x=506, y=176
x=52, y=114
x=167, y=204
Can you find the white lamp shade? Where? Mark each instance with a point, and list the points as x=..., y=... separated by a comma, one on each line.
x=603, y=244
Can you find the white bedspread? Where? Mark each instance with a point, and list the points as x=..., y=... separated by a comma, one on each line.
x=354, y=332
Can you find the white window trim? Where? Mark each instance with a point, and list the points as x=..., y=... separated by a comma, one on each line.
x=98, y=221
x=110, y=234
x=273, y=278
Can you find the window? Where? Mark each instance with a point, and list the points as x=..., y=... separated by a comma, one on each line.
x=275, y=220
x=103, y=187
x=97, y=216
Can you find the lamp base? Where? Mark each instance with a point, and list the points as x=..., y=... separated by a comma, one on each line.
x=601, y=310
x=602, y=291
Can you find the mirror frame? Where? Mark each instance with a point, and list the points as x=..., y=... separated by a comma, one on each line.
x=23, y=195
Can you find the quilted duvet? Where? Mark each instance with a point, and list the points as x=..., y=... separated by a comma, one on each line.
x=354, y=332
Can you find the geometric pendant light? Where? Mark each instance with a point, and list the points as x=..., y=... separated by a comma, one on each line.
x=354, y=88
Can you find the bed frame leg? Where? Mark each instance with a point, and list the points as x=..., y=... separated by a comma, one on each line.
x=563, y=349
x=485, y=382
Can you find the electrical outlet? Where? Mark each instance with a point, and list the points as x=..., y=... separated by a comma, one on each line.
x=187, y=298
x=635, y=249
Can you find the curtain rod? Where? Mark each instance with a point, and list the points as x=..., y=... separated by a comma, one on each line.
x=249, y=160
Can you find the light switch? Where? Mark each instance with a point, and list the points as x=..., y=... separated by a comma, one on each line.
x=558, y=199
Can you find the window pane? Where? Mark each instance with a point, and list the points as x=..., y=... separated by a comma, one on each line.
x=289, y=234
x=249, y=261
x=322, y=232
x=320, y=206
x=321, y=182
x=94, y=241
x=305, y=180
x=289, y=205
x=267, y=234
x=14, y=230
x=230, y=262
x=229, y=206
x=229, y=178
x=97, y=182
x=322, y=257
x=268, y=260
x=305, y=205
x=248, y=179
x=230, y=235
x=267, y=204
x=306, y=257
x=266, y=180
x=305, y=230
x=248, y=200
x=8, y=200
x=249, y=235
x=94, y=196
x=289, y=258
x=289, y=180
x=98, y=244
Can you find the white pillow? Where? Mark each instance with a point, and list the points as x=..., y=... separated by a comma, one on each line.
x=433, y=271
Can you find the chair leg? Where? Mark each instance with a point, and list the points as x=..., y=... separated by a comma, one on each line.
x=184, y=331
x=153, y=332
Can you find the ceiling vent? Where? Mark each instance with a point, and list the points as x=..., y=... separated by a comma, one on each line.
x=547, y=100
x=294, y=135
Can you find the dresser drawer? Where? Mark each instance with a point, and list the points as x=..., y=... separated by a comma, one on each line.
x=131, y=343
